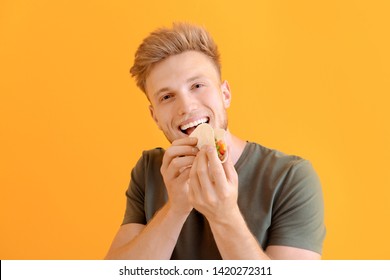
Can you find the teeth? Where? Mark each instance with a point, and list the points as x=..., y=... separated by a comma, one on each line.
x=192, y=124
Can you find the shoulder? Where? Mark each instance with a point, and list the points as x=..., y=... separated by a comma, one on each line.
x=277, y=170
x=270, y=159
x=155, y=154
x=150, y=160
x=270, y=153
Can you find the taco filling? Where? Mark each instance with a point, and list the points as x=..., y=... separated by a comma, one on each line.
x=221, y=148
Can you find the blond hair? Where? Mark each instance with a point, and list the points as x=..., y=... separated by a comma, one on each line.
x=165, y=42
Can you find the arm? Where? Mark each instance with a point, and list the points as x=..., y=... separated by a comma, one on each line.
x=214, y=192
x=241, y=244
x=157, y=239
x=154, y=241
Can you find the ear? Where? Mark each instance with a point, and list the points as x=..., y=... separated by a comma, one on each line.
x=226, y=94
x=153, y=114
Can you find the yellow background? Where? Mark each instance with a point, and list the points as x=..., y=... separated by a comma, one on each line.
x=307, y=77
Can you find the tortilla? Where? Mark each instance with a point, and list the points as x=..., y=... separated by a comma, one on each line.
x=205, y=134
x=208, y=136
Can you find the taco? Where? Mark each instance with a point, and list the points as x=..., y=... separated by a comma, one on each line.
x=208, y=136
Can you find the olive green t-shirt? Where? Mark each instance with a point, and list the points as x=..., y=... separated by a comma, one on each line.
x=279, y=196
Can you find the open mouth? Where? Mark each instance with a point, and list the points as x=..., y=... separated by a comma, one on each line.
x=190, y=127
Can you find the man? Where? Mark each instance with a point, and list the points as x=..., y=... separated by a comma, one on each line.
x=183, y=203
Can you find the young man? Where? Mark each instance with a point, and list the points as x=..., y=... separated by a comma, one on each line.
x=183, y=203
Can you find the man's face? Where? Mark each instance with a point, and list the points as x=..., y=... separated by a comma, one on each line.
x=185, y=90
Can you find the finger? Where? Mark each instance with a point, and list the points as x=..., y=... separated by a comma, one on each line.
x=216, y=168
x=177, y=151
x=186, y=141
x=203, y=194
x=179, y=164
x=203, y=170
x=184, y=175
x=194, y=184
x=182, y=169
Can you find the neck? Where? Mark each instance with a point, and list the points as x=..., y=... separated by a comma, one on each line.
x=236, y=146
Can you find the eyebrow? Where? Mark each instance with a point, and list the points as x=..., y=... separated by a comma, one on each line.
x=189, y=80
x=161, y=90
x=194, y=78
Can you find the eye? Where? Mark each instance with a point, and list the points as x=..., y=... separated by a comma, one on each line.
x=165, y=97
x=197, y=86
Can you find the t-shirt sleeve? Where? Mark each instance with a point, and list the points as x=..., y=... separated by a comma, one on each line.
x=298, y=214
x=135, y=195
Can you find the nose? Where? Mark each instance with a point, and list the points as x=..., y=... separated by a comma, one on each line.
x=186, y=103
